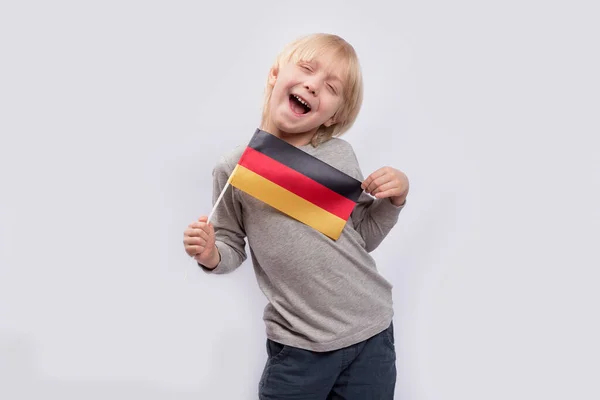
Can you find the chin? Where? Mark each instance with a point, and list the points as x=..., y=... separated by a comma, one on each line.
x=283, y=124
x=297, y=131
x=290, y=129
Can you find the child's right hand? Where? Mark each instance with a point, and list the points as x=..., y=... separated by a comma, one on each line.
x=199, y=243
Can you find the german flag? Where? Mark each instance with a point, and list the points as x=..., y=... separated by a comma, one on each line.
x=296, y=183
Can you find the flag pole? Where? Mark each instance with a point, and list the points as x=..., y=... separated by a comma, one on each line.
x=218, y=201
x=213, y=211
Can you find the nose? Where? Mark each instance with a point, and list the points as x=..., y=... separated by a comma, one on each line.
x=312, y=86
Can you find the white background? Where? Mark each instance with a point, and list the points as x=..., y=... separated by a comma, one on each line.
x=113, y=113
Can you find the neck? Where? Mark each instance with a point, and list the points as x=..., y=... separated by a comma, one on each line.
x=295, y=139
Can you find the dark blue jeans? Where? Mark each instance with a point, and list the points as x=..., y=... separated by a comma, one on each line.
x=364, y=371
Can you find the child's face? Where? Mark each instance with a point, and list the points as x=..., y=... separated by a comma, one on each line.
x=305, y=96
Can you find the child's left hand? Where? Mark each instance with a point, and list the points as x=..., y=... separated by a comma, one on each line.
x=387, y=182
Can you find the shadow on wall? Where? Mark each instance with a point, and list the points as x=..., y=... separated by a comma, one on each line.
x=19, y=380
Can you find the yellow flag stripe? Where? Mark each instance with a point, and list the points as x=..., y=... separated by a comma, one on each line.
x=287, y=202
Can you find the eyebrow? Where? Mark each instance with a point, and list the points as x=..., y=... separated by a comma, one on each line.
x=329, y=75
x=336, y=78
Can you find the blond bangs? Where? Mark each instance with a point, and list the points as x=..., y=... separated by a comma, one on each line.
x=345, y=60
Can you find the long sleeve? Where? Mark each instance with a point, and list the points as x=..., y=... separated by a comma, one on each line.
x=373, y=218
x=227, y=220
x=322, y=295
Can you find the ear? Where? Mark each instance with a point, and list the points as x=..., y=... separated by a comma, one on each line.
x=273, y=75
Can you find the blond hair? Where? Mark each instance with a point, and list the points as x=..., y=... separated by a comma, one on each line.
x=308, y=48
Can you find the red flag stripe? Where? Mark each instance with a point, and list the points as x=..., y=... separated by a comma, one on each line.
x=297, y=183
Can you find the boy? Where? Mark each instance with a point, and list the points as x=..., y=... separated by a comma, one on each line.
x=329, y=316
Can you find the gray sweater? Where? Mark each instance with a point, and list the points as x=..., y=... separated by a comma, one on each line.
x=322, y=294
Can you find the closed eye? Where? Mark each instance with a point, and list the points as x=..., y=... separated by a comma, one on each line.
x=332, y=88
x=306, y=67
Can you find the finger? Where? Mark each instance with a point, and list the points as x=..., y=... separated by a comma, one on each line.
x=203, y=218
x=377, y=182
x=193, y=250
x=385, y=186
x=189, y=232
x=195, y=241
x=371, y=177
x=193, y=232
x=377, y=174
x=203, y=234
x=201, y=226
x=366, y=182
x=388, y=193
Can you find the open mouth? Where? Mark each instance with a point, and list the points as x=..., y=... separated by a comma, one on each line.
x=298, y=104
